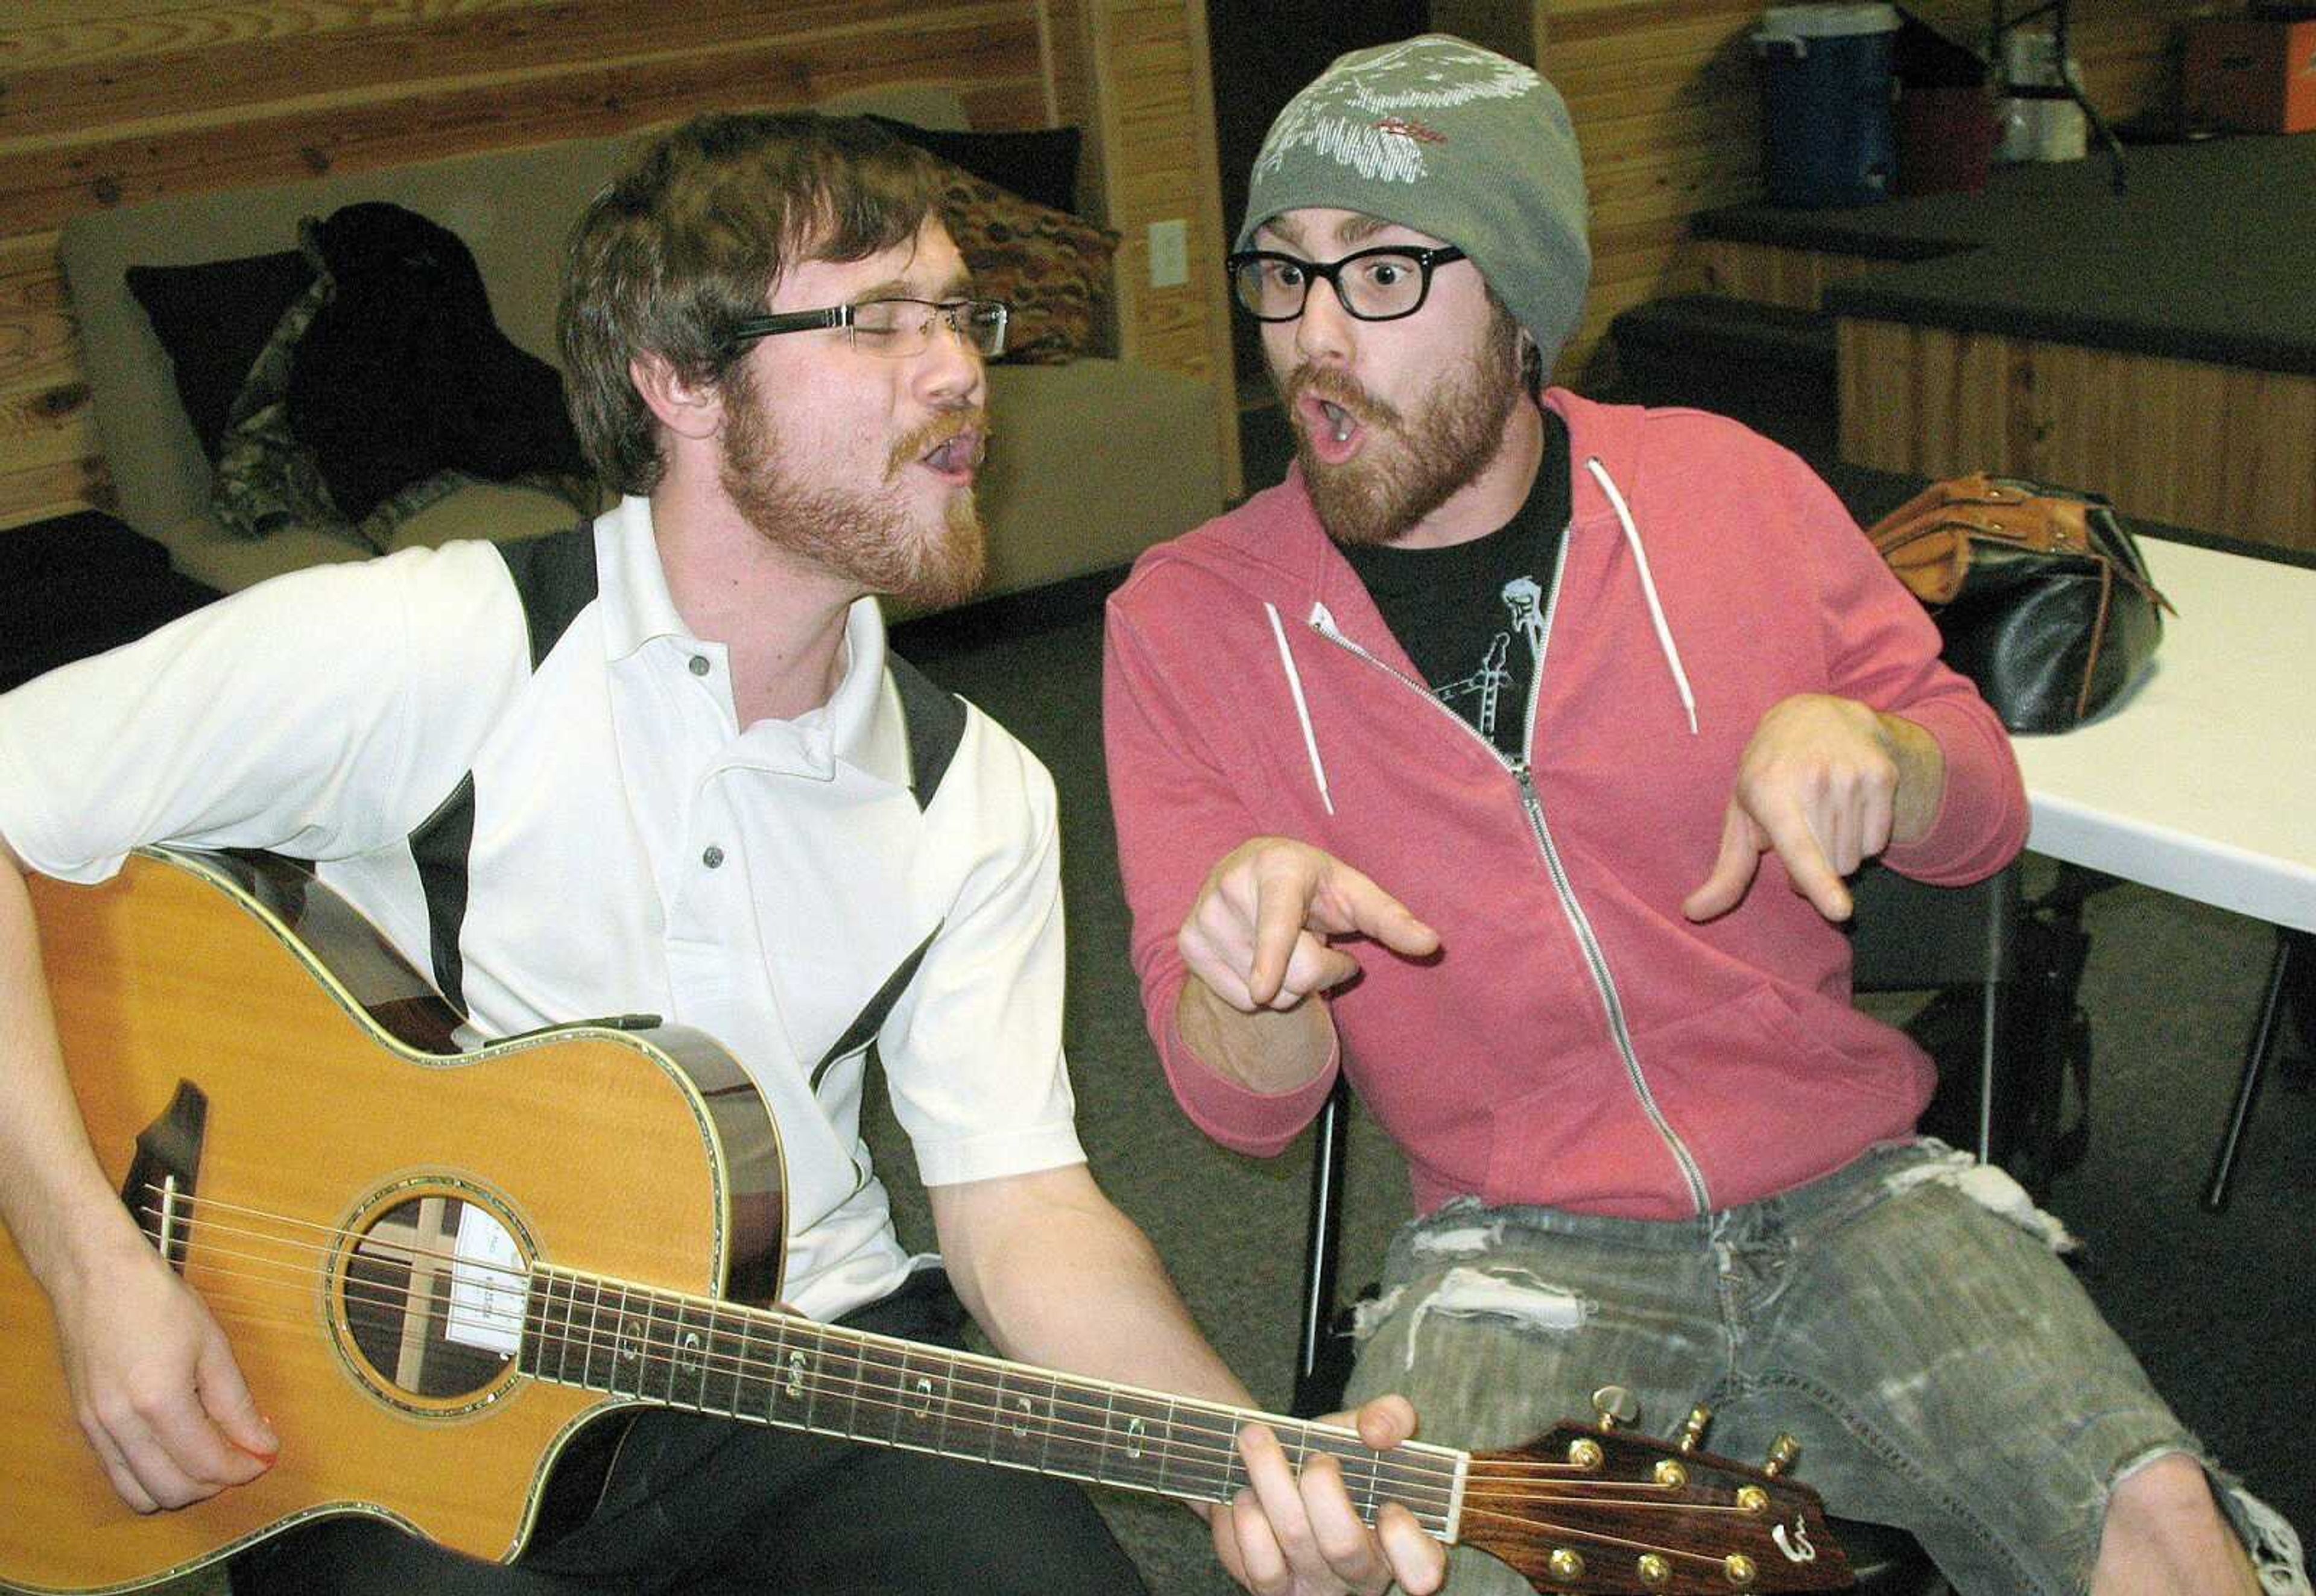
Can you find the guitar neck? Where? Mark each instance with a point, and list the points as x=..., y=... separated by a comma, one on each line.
x=769, y=1368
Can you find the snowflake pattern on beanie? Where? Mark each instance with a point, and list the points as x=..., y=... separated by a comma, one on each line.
x=1357, y=112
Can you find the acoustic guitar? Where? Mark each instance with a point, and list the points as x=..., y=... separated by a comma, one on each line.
x=437, y=1265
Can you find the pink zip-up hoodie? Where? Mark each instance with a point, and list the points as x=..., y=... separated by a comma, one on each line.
x=1576, y=1042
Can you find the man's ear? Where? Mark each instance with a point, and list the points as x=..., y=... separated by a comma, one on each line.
x=688, y=408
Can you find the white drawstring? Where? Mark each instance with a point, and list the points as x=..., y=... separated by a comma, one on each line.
x=1648, y=588
x=1302, y=709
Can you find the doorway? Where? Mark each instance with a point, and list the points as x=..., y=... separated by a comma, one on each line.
x=1262, y=51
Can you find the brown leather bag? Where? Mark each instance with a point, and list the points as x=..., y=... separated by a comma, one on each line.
x=2039, y=592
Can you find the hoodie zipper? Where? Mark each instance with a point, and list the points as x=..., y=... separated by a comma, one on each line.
x=1531, y=802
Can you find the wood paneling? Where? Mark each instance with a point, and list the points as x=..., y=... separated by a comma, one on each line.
x=1155, y=95
x=1774, y=274
x=105, y=102
x=2219, y=448
x=1667, y=107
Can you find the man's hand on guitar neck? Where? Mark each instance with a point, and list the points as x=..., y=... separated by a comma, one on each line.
x=1285, y=1529
x=154, y=1386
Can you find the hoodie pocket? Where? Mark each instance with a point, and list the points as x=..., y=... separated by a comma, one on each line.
x=1757, y=1086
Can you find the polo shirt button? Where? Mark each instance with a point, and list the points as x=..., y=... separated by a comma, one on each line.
x=699, y=666
x=713, y=859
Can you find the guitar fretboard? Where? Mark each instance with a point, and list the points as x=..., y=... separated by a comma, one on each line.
x=768, y=1367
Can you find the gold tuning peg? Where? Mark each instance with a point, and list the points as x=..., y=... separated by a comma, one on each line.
x=1783, y=1452
x=1616, y=1405
x=1692, y=1431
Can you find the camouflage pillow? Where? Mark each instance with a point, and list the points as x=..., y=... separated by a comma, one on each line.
x=1052, y=268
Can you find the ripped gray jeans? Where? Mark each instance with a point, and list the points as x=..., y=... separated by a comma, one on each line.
x=1905, y=1318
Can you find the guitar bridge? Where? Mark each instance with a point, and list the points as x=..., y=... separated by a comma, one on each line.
x=159, y=1189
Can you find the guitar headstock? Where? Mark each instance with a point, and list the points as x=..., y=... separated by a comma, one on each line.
x=1598, y=1509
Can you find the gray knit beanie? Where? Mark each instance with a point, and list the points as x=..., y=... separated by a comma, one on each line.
x=1453, y=140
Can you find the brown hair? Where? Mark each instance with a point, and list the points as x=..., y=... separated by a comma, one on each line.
x=691, y=238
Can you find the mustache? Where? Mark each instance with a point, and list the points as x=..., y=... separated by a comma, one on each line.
x=1338, y=388
x=951, y=423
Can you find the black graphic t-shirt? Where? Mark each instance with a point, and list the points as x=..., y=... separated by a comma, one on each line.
x=1471, y=615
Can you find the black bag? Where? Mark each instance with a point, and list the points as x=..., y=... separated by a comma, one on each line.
x=2039, y=592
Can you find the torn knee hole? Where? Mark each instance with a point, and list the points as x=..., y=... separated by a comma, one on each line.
x=1512, y=1296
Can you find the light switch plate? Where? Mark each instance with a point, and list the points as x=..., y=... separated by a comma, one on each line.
x=1170, y=253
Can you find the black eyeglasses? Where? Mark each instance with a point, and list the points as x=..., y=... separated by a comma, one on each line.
x=894, y=328
x=1373, y=285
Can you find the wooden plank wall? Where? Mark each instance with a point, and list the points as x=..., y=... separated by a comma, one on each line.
x=1667, y=107
x=2219, y=448
x=1154, y=93
x=105, y=102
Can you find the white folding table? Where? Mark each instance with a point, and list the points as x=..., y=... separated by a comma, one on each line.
x=2203, y=781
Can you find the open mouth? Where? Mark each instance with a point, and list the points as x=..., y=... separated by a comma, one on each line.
x=1334, y=431
x=953, y=452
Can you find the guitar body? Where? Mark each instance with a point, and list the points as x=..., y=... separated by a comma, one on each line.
x=338, y=1146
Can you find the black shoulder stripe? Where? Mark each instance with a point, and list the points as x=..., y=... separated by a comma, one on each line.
x=555, y=577
x=870, y=1020
x=936, y=723
x=439, y=847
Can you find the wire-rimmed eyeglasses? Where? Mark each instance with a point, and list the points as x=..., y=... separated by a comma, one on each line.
x=895, y=328
x=1373, y=285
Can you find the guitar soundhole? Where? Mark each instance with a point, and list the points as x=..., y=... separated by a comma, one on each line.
x=432, y=1297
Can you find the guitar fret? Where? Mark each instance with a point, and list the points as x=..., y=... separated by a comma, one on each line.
x=860, y=1355
x=531, y=1356
x=1230, y=1472
x=1132, y=1454
x=735, y=1354
x=997, y=1412
x=663, y=1347
x=921, y=1417
x=566, y=1330
x=600, y=1344
x=1166, y=1445
x=626, y=1349
x=687, y=1364
x=768, y=1378
x=804, y=1373
x=1075, y=1440
x=1023, y=1418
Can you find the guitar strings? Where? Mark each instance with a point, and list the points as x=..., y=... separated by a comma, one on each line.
x=386, y=1294
x=966, y=1405
x=993, y=1418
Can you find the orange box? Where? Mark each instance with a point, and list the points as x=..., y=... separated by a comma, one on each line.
x=2250, y=76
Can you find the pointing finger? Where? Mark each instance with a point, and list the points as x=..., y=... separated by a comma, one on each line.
x=1732, y=869
x=1353, y=902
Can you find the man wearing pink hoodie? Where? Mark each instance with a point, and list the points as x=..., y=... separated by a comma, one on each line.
x=1507, y=758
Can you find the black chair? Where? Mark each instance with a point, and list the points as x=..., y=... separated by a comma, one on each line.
x=1906, y=937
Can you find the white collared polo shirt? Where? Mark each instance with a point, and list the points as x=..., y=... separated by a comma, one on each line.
x=525, y=770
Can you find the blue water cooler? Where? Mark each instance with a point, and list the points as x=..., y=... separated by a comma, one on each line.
x=1826, y=136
